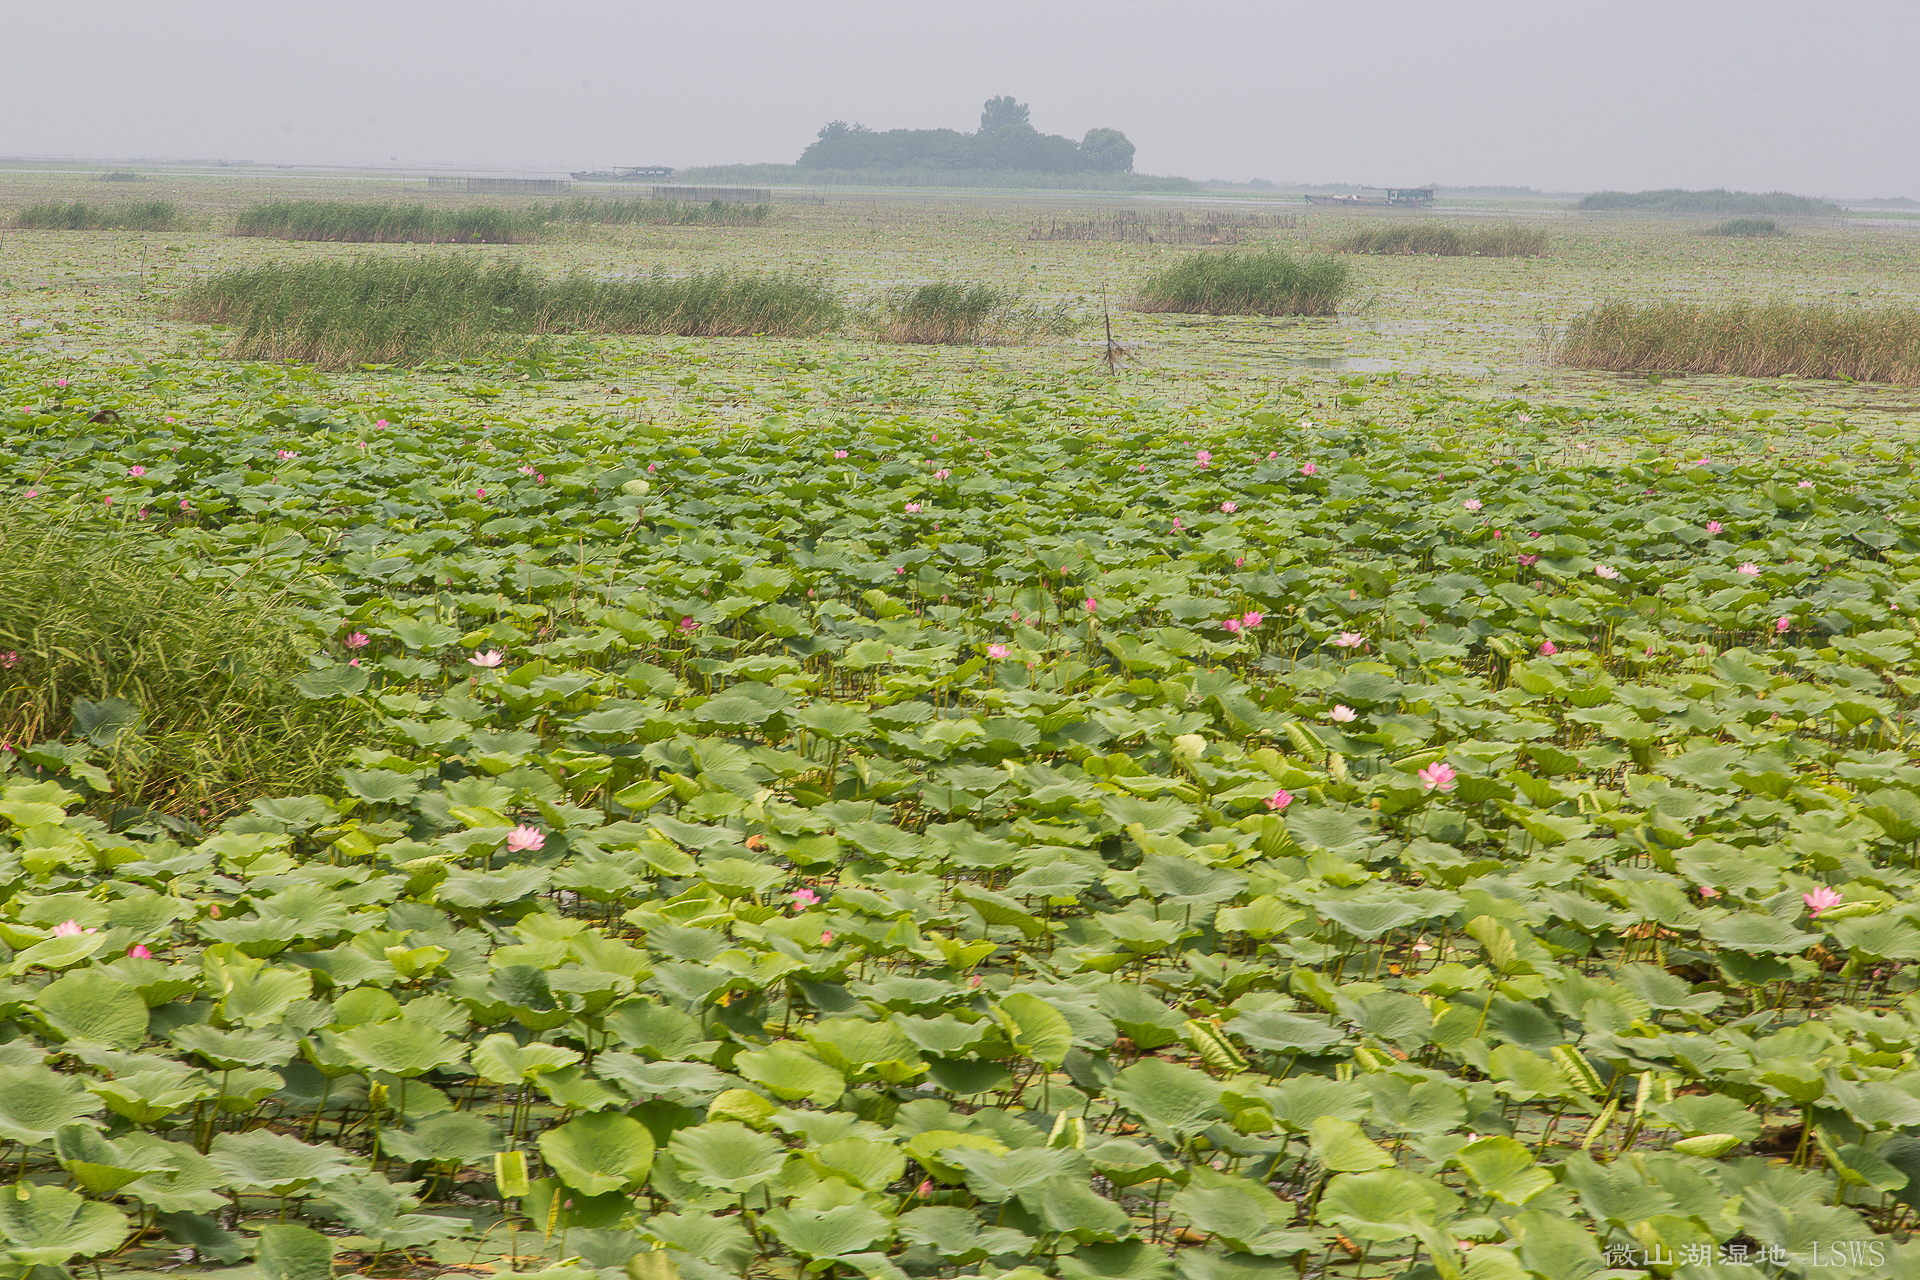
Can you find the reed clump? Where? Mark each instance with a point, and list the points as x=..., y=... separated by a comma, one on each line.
x=953, y=314
x=428, y=310
x=184, y=683
x=78, y=215
x=1746, y=228
x=383, y=222
x=1441, y=240
x=1272, y=283
x=1747, y=339
x=659, y=213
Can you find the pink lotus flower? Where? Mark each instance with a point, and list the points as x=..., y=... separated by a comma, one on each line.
x=653, y=466
x=109, y=501
x=1526, y=560
x=1471, y=504
x=358, y=640
x=1142, y=467
x=1092, y=605
x=1714, y=526
x=1606, y=571
x=942, y=473
x=285, y=455
x=523, y=837
x=912, y=508
x=485, y=658
x=479, y=493
x=185, y=505
x=1279, y=800
x=1229, y=506
x=1781, y=625
x=1252, y=620
x=1343, y=714
x=1349, y=640
x=69, y=929
x=826, y=938
x=61, y=382
x=1548, y=649
x=1176, y=522
x=925, y=1189
x=688, y=625
x=1749, y=568
x=1232, y=624
x=1204, y=458
x=380, y=425
x=139, y=952
x=1271, y=456
x=136, y=472
x=804, y=897
x=998, y=651
x=1820, y=899
x=353, y=662
x=1307, y=469
x=839, y=453
x=33, y=493
x=1708, y=891
x=1437, y=776
x=9, y=660
x=1804, y=484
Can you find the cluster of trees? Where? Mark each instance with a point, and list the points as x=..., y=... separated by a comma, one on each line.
x=1006, y=141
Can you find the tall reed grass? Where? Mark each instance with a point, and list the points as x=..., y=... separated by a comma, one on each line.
x=965, y=315
x=1440, y=240
x=1754, y=340
x=1748, y=228
x=665, y=213
x=99, y=610
x=1269, y=284
x=142, y=215
x=1717, y=201
x=428, y=310
x=380, y=222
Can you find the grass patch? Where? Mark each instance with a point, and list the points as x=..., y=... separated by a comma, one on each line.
x=78, y=215
x=658, y=213
x=1717, y=201
x=1264, y=284
x=1440, y=240
x=427, y=310
x=1749, y=228
x=965, y=315
x=207, y=714
x=350, y=222
x=1753, y=340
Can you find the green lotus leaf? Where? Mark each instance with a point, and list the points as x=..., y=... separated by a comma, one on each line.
x=45, y=1226
x=726, y=1156
x=290, y=1252
x=91, y=1007
x=597, y=1153
x=829, y=1233
x=273, y=1162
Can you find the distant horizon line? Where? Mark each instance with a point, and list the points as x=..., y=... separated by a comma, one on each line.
x=482, y=169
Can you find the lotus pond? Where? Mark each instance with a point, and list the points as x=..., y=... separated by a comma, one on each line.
x=823, y=810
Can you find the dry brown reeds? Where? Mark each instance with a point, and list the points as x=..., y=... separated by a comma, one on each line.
x=1171, y=227
x=1749, y=339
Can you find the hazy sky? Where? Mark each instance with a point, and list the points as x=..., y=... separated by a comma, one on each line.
x=1816, y=98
